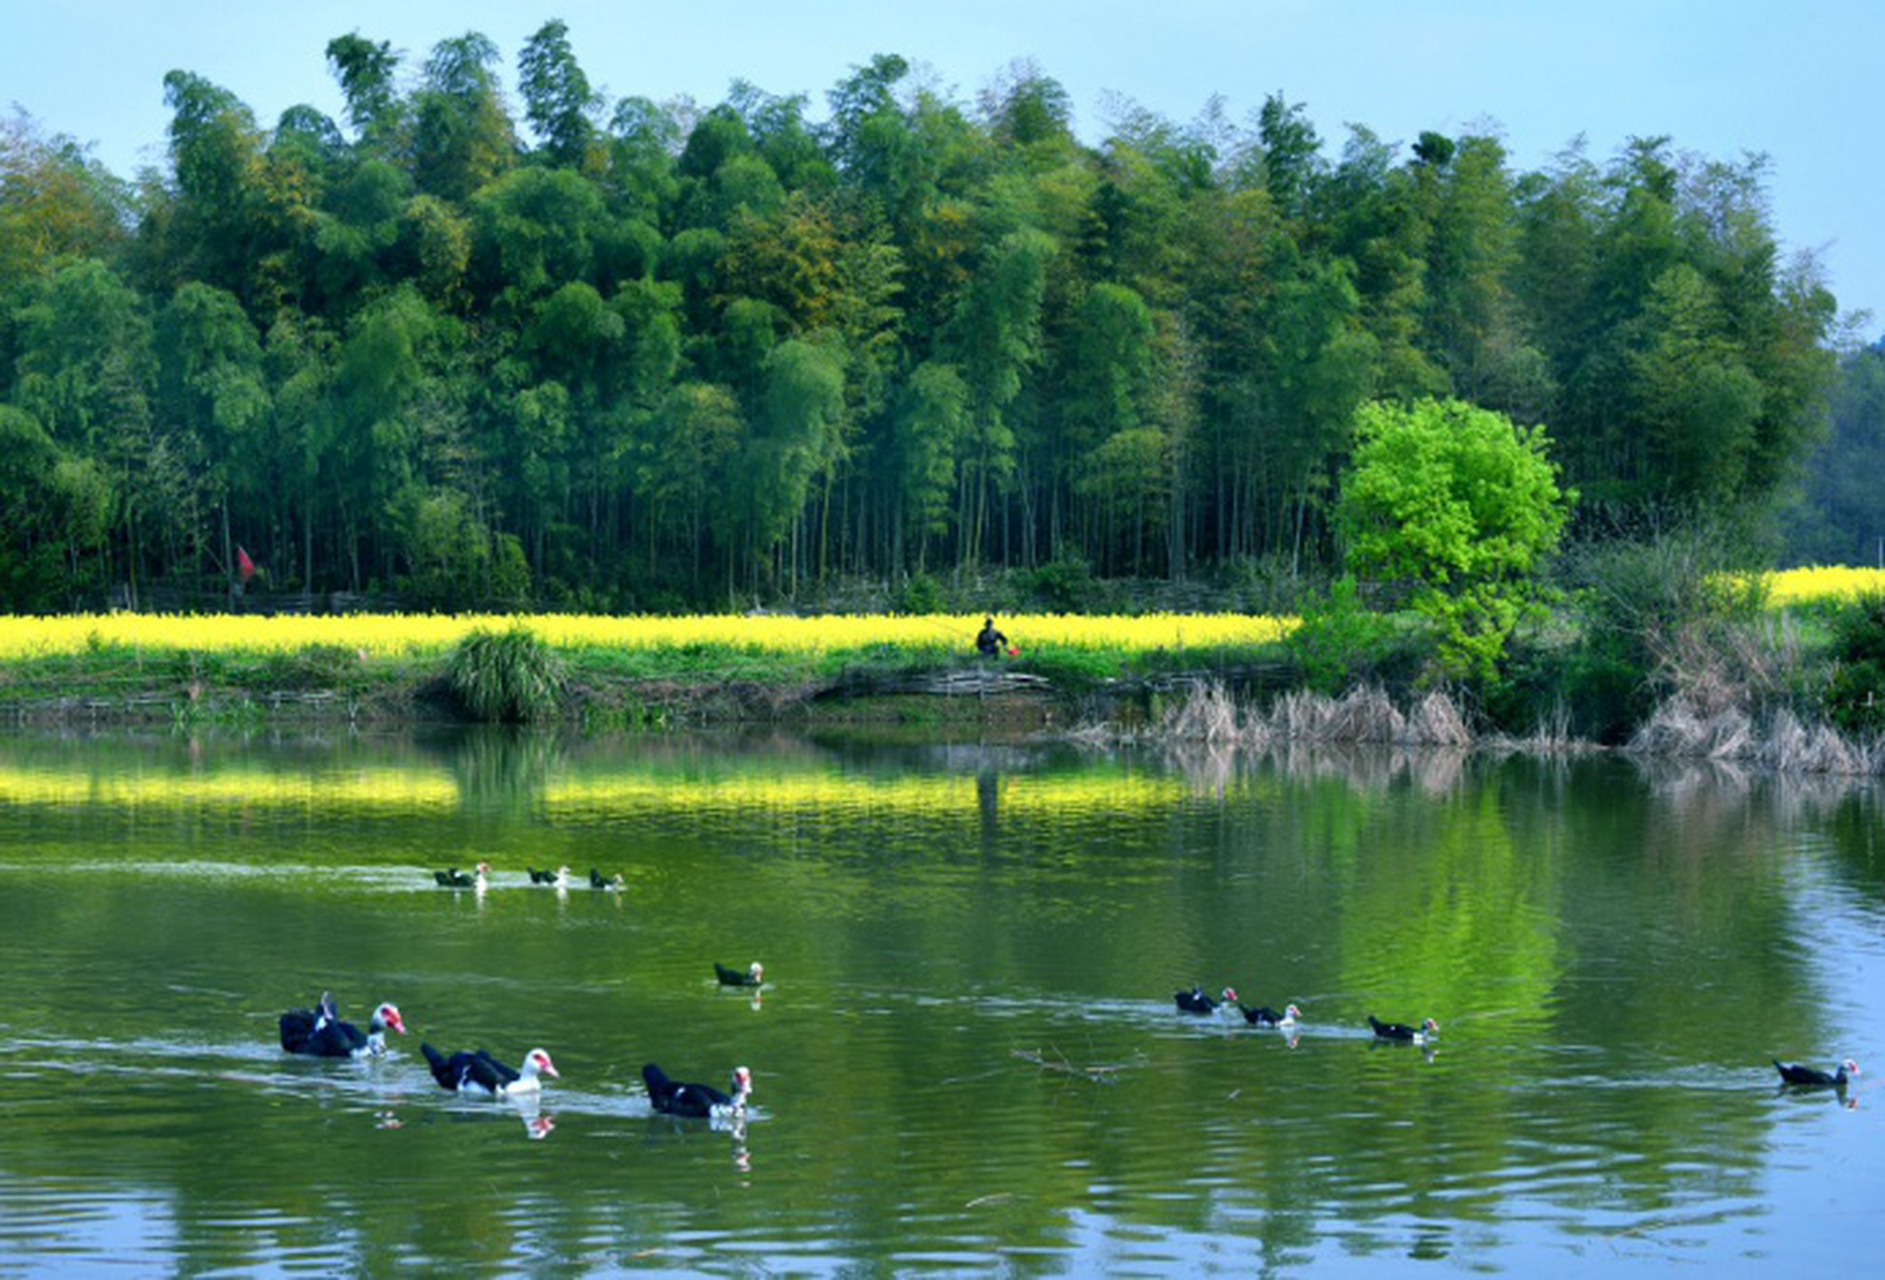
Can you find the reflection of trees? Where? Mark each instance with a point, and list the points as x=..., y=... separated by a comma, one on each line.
x=1578, y=932
x=504, y=768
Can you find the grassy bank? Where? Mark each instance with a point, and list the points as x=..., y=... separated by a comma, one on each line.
x=1646, y=649
x=613, y=672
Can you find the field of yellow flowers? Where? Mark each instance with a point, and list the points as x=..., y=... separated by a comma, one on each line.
x=1797, y=586
x=424, y=635
x=419, y=635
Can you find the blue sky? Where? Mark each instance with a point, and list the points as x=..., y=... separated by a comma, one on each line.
x=1722, y=77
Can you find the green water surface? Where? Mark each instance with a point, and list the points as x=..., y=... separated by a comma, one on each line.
x=966, y=1057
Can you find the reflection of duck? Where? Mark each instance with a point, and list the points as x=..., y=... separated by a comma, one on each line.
x=320, y=1033
x=557, y=879
x=755, y=975
x=1264, y=1016
x=1794, y=1073
x=614, y=884
x=699, y=1100
x=456, y=879
x=479, y=1072
x=1402, y=1032
x=1195, y=1001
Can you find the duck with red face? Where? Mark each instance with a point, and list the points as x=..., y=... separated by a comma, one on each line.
x=477, y=1072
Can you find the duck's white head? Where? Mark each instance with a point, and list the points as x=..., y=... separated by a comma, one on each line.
x=1291, y=1013
x=742, y=1084
x=538, y=1060
x=1431, y=1027
x=1852, y=1068
x=387, y=1015
x=1229, y=995
x=758, y=971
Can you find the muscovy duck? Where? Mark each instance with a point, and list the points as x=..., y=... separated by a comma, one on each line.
x=1794, y=1073
x=1195, y=1001
x=557, y=879
x=674, y=1098
x=1401, y=1031
x=754, y=976
x=614, y=884
x=456, y=879
x=478, y=1072
x=1264, y=1016
x=320, y=1033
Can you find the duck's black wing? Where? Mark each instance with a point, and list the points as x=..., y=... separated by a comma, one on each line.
x=660, y=1088
x=491, y=1073
x=297, y=1029
x=1390, y=1030
x=449, y=1072
x=1261, y=1016
x=1794, y=1073
x=1194, y=1001
x=697, y=1100
x=732, y=977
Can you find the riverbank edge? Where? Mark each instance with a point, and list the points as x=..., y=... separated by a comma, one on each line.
x=1247, y=698
x=179, y=689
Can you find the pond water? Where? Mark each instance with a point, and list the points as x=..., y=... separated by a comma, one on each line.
x=966, y=1056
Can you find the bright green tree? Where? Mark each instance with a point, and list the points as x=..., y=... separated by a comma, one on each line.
x=1459, y=504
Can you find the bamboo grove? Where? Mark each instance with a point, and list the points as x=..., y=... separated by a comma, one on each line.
x=490, y=350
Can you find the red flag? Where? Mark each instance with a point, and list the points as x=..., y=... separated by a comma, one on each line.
x=245, y=567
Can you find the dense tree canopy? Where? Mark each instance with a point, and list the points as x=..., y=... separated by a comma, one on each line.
x=632, y=355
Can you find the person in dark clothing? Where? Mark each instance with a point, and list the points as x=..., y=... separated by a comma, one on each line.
x=988, y=641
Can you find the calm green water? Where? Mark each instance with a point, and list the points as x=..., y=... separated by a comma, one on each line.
x=1612, y=958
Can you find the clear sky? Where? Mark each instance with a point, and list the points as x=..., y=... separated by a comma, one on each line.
x=1792, y=78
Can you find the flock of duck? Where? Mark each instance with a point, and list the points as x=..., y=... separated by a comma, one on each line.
x=1226, y=1004
x=1196, y=1001
x=321, y=1032
x=478, y=879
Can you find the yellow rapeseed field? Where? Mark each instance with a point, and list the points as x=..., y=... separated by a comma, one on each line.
x=397, y=635
x=421, y=634
x=1792, y=586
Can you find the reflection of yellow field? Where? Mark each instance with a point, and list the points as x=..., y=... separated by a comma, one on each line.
x=831, y=792
x=394, y=790
x=405, y=634
x=352, y=792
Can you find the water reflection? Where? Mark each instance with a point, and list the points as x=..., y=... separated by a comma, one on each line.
x=1591, y=937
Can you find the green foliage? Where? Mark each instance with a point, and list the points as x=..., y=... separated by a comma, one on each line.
x=457, y=562
x=1065, y=585
x=1855, y=695
x=1341, y=643
x=1668, y=613
x=922, y=594
x=319, y=666
x=696, y=355
x=507, y=677
x=1461, y=506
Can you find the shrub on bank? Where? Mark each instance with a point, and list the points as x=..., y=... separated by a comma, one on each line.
x=507, y=677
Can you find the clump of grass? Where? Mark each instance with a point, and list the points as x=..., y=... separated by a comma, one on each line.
x=505, y=677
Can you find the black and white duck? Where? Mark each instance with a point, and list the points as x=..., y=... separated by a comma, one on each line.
x=1195, y=1001
x=675, y=1098
x=1403, y=1033
x=754, y=975
x=1812, y=1077
x=477, y=1072
x=456, y=879
x=320, y=1032
x=1264, y=1016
